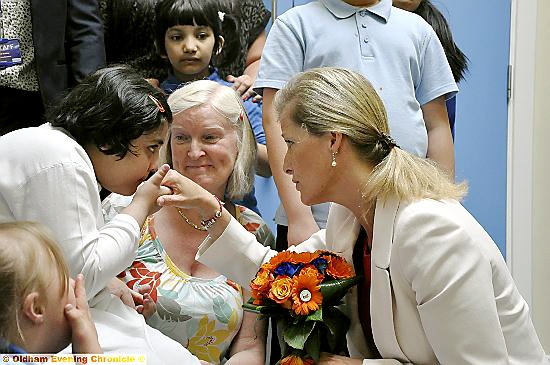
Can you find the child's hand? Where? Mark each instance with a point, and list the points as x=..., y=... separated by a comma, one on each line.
x=148, y=192
x=243, y=85
x=148, y=306
x=84, y=335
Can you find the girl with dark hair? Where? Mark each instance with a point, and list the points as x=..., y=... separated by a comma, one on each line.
x=196, y=36
x=456, y=58
x=107, y=133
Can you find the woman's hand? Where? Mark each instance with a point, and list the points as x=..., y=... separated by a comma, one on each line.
x=187, y=194
x=84, y=334
x=331, y=359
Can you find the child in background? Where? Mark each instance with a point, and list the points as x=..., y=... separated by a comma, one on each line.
x=456, y=58
x=195, y=36
x=41, y=309
x=400, y=55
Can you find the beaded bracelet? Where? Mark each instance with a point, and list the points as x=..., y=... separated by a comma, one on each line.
x=207, y=223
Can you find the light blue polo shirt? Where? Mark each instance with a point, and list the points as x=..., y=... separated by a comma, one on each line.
x=396, y=50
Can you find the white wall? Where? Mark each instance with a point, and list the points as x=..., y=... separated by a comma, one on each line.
x=541, y=177
x=529, y=149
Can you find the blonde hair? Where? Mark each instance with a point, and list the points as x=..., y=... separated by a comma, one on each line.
x=334, y=99
x=28, y=254
x=228, y=104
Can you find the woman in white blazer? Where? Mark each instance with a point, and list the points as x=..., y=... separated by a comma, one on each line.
x=440, y=290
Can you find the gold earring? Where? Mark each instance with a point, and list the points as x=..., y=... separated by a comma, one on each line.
x=333, y=163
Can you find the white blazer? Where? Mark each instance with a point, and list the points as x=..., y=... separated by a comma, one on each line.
x=441, y=292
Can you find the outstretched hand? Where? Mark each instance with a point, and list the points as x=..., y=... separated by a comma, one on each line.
x=84, y=334
x=186, y=193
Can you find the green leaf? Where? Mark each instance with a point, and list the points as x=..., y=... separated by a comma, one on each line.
x=222, y=310
x=337, y=324
x=335, y=290
x=313, y=344
x=296, y=335
x=316, y=316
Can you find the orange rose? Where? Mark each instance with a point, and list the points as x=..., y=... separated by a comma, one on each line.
x=259, y=286
x=281, y=289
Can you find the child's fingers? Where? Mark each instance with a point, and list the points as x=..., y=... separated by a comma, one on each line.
x=156, y=179
x=149, y=306
x=80, y=292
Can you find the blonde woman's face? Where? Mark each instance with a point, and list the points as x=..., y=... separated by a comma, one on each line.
x=307, y=160
x=204, y=147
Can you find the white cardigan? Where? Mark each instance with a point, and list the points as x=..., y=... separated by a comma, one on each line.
x=440, y=294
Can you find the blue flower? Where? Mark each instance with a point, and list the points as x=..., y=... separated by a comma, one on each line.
x=288, y=269
x=321, y=264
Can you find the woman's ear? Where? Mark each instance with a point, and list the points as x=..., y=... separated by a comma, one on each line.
x=335, y=141
x=33, y=308
x=221, y=42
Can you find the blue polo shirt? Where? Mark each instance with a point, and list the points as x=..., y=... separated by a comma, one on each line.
x=396, y=50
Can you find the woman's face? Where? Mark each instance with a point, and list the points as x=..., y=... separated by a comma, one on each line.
x=123, y=176
x=307, y=160
x=204, y=147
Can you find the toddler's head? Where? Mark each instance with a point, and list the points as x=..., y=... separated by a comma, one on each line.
x=34, y=289
x=194, y=35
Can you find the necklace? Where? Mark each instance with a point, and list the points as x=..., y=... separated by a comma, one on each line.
x=198, y=228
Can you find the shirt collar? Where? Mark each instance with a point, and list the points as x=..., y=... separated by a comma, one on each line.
x=341, y=9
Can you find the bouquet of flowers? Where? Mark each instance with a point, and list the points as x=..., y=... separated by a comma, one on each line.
x=303, y=290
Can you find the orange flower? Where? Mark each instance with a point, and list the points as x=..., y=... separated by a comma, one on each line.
x=304, y=257
x=281, y=289
x=306, y=294
x=285, y=256
x=296, y=360
x=311, y=271
x=259, y=286
x=338, y=268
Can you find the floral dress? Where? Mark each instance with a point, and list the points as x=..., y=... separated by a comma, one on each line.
x=204, y=315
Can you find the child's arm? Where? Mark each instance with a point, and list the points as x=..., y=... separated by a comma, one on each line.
x=440, y=141
x=84, y=335
x=301, y=224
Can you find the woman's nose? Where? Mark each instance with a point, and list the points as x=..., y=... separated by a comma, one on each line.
x=195, y=150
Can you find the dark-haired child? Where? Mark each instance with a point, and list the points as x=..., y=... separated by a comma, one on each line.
x=196, y=36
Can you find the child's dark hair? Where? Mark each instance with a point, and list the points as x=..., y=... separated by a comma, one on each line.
x=456, y=58
x=211, y=13
x=110, y=108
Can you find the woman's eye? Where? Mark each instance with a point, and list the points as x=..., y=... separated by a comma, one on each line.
x=289, y=143
x=211, y=138
x=181, y=138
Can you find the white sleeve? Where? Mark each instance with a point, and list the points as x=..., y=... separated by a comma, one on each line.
x=65, y=198
x=237, y=255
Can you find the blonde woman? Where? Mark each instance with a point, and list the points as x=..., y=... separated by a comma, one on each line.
x=440, y=291
x=211, y=142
